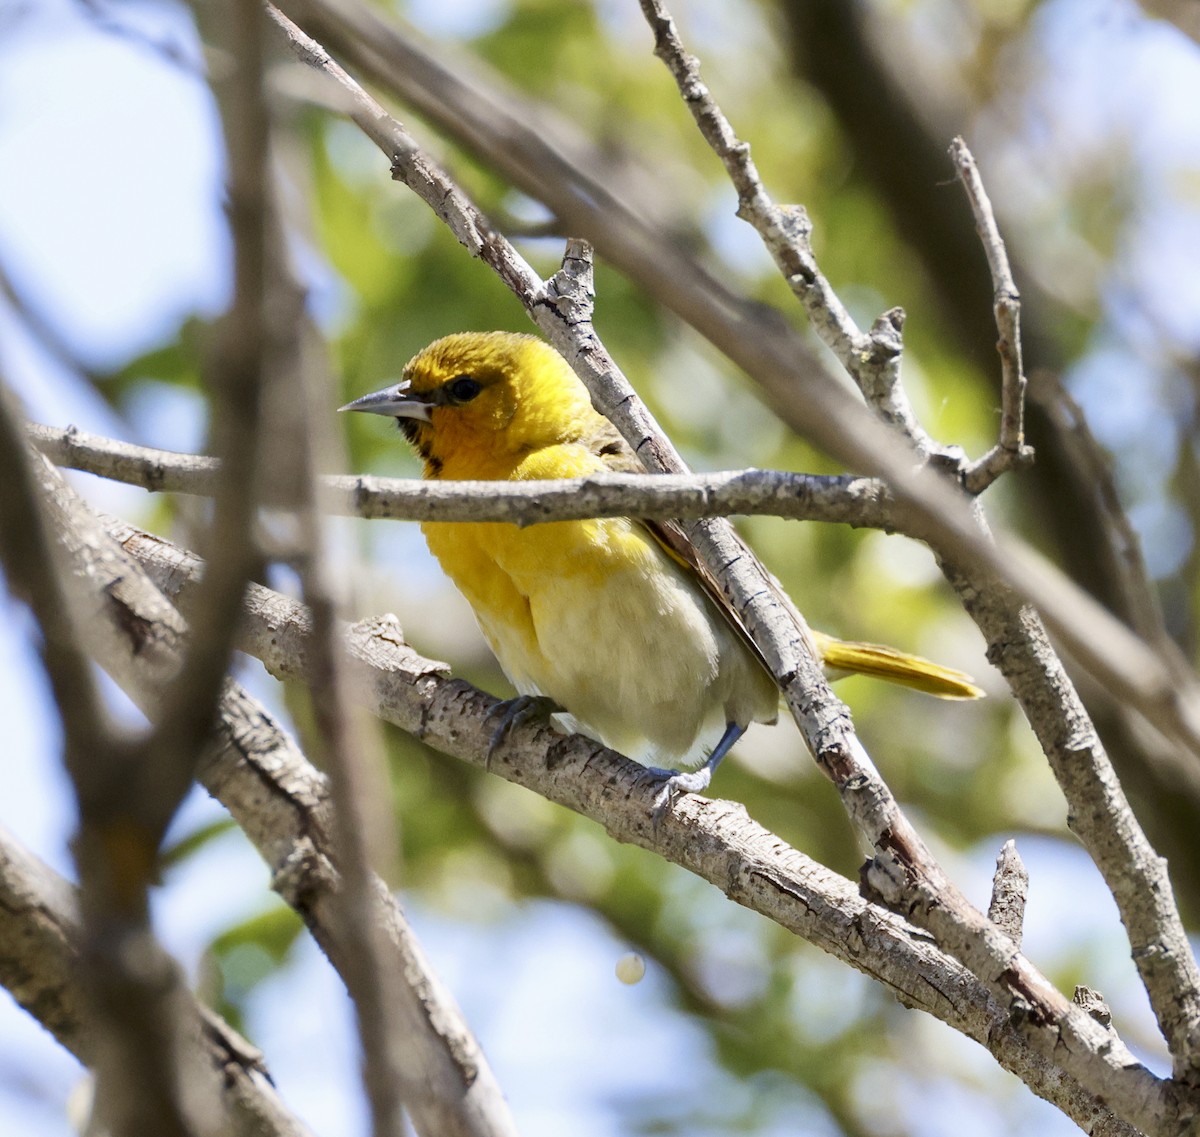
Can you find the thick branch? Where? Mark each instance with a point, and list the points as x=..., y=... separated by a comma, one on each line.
x=39, y=964
x=149, y=1075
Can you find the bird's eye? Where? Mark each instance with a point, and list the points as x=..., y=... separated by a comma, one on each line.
x=463, y=388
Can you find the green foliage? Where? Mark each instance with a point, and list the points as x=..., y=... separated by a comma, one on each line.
x=246, y=955
x=191, y=843
x=176, y=363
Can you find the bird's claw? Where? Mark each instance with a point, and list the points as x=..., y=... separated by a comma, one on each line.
x=694, y=781
x=673, y=782
x=517, y=712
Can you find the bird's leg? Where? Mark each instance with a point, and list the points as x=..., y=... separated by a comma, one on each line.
x=694, y=781
x=516, y=712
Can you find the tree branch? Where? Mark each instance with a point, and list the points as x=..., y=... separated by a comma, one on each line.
x=860, y=502
x=40, y=951
x=1010, y=450
x=149, y=1076
x=362, y=823
x=872, y=360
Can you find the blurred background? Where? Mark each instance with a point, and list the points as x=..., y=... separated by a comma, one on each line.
x=115, y=257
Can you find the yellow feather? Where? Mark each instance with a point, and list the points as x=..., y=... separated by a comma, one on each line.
x=850, y=657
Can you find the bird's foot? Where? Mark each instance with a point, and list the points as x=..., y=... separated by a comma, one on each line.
x=685, y=781
x=693, y=781
x=516, y=712
x=676, y=782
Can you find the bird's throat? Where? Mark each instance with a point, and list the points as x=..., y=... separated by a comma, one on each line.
x=418, y=435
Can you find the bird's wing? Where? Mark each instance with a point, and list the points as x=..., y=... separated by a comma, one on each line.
x=617, y=455
x=680, y=547
x=838, y=656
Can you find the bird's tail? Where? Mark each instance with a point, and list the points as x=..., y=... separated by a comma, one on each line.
x=846, y=656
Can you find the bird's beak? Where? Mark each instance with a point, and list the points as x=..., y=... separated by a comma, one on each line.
x=396, y=400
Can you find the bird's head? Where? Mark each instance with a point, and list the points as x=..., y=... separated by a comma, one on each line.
x=474, y=403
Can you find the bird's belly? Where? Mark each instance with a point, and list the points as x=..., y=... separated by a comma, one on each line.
x=596, y=616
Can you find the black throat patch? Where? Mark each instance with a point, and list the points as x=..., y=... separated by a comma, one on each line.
x=419, y=440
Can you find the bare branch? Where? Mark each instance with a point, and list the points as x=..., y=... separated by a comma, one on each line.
x=31, y=565
x=39, y=964
x=1011, y=449
x=873, y=360
x=861, y=502
x=1010, y=889
x=414, y=169
x=283, y=804
x=904, y=871
x=554, y=166
x=145, y=1025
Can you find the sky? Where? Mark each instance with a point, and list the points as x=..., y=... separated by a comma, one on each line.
x=109, y=176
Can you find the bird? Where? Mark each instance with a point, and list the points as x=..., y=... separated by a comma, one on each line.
x=613, y=625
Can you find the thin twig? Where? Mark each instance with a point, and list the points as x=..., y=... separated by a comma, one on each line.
x=1010, y=450
x=873, y=359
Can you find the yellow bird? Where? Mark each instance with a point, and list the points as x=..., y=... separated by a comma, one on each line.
x=612, y=620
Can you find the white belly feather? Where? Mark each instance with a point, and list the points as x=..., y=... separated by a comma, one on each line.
x=596, y=616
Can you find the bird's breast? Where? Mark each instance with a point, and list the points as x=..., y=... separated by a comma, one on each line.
x=595, y=615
